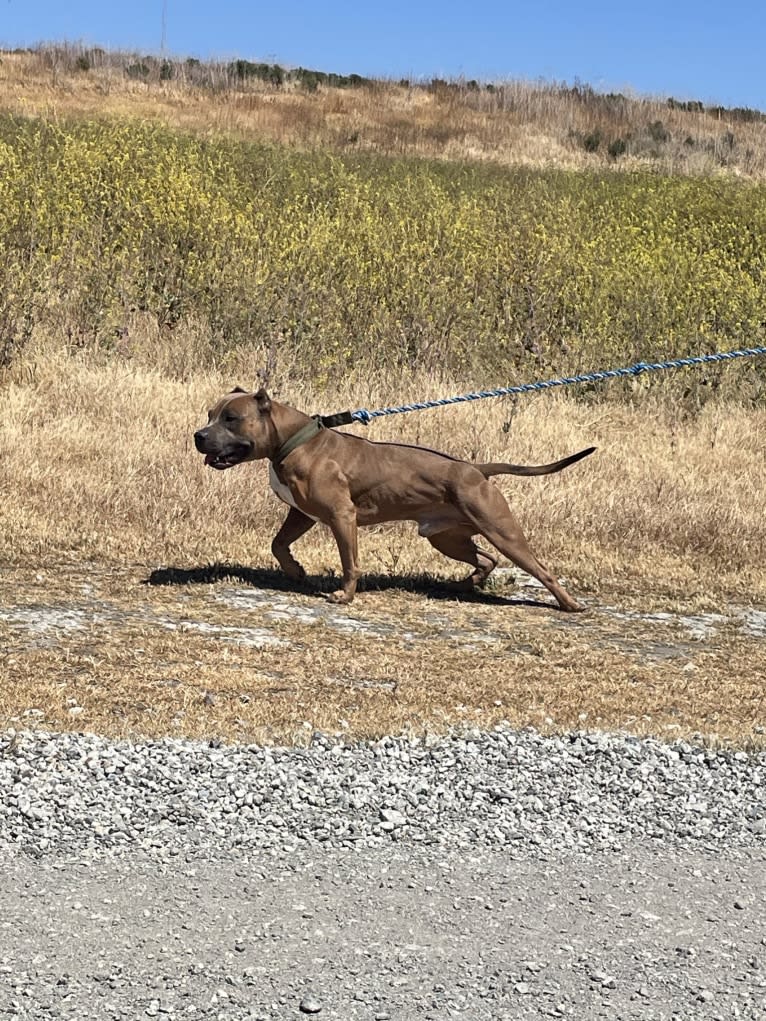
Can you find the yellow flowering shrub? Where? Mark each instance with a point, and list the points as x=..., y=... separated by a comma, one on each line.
x=486, y=271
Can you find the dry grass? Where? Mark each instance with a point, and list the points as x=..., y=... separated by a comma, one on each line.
x=102, y=487
x=418, y=662
x=518, y=123
x=98, y=455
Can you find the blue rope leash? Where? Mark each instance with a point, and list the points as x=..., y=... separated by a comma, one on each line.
x=364, y=416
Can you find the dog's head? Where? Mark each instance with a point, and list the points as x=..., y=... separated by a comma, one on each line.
x=239, y=428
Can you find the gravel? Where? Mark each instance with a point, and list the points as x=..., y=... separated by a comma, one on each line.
x=521, y=791
x=494, y=876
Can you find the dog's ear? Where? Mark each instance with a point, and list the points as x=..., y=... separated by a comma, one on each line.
x=238, y=390
x=263, y=401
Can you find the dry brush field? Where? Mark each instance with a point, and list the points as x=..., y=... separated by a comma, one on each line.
x=512, y=123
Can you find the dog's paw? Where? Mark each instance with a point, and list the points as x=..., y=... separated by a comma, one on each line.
x=339, y=597
x=572, y=607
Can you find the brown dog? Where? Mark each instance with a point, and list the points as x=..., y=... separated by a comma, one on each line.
x=345, y=481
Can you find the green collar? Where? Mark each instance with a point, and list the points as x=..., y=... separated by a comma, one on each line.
x=304, y=434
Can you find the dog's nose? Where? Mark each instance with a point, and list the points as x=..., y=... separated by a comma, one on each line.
x=200, y=438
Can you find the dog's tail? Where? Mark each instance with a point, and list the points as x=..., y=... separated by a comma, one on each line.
x=533, y=469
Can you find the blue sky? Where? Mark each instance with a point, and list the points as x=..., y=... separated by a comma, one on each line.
x=690, y=49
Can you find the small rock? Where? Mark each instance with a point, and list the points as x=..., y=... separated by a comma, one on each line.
x=310, y=1005
x=392, y=816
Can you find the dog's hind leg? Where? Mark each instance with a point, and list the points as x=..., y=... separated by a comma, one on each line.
x=492, y=517
x=295, y=525
x=458, y=544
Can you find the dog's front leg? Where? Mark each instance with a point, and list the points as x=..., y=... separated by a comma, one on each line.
x=295, y=525
x=343, y=527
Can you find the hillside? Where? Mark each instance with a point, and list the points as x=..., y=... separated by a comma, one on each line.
x=534, y=124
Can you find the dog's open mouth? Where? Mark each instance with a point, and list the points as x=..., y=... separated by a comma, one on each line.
x=222, y=461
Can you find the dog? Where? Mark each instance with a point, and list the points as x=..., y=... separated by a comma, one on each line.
x=345, y=481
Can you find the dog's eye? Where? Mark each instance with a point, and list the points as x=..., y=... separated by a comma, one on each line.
x=230, y=417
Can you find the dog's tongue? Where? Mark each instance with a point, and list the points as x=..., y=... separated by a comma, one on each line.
x=209, y=459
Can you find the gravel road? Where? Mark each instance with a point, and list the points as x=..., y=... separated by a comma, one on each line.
x=501, y=875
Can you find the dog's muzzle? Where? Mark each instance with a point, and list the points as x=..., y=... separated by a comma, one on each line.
x=217, y=455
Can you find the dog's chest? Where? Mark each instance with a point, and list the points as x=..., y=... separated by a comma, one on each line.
x=283, y=492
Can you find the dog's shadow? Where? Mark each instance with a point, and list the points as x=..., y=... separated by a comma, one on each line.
x=319, y=585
